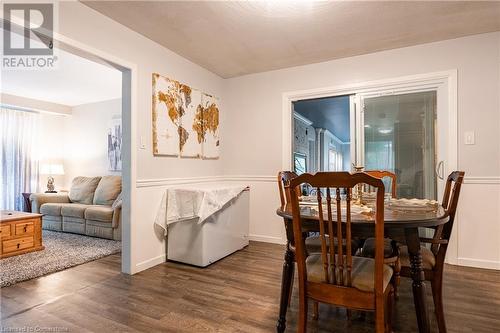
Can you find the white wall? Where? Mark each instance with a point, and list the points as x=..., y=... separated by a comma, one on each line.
x=84, y=25
x=86, y=138
x=253, y=126
x=51, y=146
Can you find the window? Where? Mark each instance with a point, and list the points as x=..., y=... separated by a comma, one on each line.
x=19, y=163
x=334, y=160
x=299, y=163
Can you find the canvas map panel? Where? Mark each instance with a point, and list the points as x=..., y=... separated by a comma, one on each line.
x=185, y=121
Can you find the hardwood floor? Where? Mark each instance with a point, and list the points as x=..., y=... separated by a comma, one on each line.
x=237, y=294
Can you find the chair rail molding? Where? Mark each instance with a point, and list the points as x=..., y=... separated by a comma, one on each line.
x=202, y=179
x=492, y=180
x=153, y=182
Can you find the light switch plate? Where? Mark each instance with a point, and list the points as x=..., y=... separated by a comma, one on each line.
x=470, y=138
x=142, y=144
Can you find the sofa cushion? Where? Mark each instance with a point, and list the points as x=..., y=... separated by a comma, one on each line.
x=74, y=210
x=108, y=189
x=52, y=209
x=99, y=213
x=82, y=189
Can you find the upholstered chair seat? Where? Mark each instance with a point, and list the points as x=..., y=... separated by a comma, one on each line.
x=368, y=249
x=362, y=274
x=428, y=258
x=313, y=244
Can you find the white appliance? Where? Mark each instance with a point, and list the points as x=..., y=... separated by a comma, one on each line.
x=223, y=233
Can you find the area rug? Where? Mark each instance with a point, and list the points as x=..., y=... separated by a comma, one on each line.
x=62, y=250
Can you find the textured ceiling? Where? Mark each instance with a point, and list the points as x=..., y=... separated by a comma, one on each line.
x=74, y=81
x=234, y=38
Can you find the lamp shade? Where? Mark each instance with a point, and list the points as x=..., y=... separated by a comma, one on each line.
x=52, y=169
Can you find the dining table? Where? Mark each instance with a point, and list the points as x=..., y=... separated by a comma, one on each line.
x=400, y=225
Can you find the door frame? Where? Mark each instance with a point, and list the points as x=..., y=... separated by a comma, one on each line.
x=439, y=81
x=129, y=123
x=129, y=140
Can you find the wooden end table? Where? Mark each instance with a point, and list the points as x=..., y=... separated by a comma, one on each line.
x=20, y=233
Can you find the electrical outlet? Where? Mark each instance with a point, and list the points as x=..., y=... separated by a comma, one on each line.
x=469, y=138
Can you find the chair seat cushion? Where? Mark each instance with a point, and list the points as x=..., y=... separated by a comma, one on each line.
x=368, y=249
x=99, y=213
x=428, y=258
x=74, y=210
x=52, y=209
x=313, y=244
x=362, y=274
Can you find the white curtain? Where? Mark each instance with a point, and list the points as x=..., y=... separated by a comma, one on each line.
x=19, y=161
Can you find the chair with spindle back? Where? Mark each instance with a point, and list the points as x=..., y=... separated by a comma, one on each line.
x=383, y=174
x=433, y=258
x=312, y=242
x=333, y=276
x=391, y=248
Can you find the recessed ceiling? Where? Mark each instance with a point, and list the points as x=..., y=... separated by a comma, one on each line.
x=74, y=81
x=233, y=38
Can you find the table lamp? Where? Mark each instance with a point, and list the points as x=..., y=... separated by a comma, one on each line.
x=51, y=170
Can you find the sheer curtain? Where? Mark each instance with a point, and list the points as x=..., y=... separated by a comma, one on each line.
x=19, y=161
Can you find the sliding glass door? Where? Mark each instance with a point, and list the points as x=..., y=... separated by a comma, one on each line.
x=393, y=130
x=399, y=136
x=398, y=132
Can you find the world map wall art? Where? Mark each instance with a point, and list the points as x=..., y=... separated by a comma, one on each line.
x=185, y=121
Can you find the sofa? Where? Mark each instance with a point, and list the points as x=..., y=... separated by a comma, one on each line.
x=92, y=207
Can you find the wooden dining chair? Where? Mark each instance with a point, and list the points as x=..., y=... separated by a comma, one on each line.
x=383, y=174
x=312, y=241
x=333, y=276
x=391, y=248
x=433, y=258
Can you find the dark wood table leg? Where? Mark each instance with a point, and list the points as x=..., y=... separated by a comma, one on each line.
x=286, y=286
x=417, y=275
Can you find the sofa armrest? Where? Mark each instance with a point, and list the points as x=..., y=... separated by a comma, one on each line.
x=117, y=215
x=38, y=199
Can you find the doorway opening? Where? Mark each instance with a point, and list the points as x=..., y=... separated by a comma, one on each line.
x=110, y=128
x=322, y=140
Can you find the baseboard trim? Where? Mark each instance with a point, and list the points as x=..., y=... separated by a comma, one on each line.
x=150, y=263
x=478, y=263
x=266, y=239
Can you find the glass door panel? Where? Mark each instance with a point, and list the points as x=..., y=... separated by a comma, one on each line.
x=399, y=135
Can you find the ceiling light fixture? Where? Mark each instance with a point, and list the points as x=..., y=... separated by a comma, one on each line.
x=385, y=130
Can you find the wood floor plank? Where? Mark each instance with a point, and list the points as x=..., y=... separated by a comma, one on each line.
x=237, y=294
